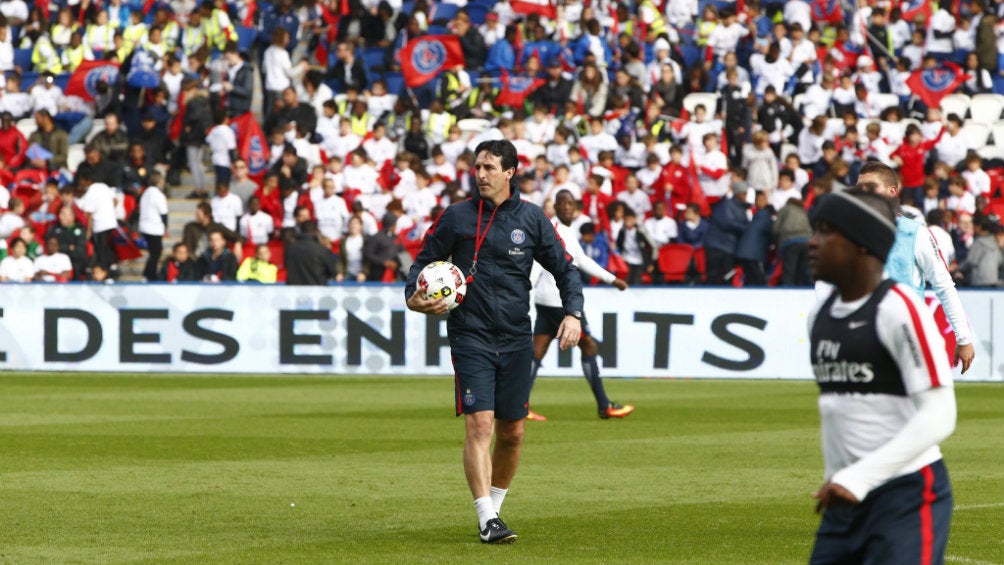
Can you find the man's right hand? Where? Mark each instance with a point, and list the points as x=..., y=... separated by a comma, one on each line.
x=420, y=303
x=619, y=284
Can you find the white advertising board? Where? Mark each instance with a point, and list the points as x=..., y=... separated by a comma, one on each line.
x=366, y=329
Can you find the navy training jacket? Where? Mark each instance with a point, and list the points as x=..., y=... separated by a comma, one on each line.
x=495, y=314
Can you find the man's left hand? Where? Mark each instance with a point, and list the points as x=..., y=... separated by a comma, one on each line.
x=964, y=353
x=831, y=495
x=569, y=332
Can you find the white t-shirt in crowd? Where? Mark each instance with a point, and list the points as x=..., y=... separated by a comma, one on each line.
x=227, y=209
x=221, y=140
x=99, y=202
x=17, y=270
x=152, y=208
x=56, y=263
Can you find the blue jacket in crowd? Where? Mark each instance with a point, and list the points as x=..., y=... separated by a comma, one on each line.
x=728, y=221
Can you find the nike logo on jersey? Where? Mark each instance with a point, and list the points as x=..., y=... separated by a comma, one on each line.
x=857, y=324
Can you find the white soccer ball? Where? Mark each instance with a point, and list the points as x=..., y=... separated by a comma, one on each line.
x=442, y=279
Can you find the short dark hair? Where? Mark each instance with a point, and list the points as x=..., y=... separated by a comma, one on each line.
x=884, y=172
x=502, y=148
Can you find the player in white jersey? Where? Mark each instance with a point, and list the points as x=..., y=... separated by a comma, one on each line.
x=548, y=304
x=916, y=260
x=886, y=397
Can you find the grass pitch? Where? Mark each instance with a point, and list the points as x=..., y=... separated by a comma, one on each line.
x=153, y=469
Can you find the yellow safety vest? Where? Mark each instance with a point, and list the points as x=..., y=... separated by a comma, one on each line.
x=45, y=58
x=445, y=124
x=703, y=31
x=100, y=37
x=59, y=29
x=73, y=56
x=170, y=35
x=360, y=124
x=658, y=24
x=218, y=35
x=193, y=38
x=134, y=34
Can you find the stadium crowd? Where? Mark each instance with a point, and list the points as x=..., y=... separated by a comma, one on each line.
x=694, y=134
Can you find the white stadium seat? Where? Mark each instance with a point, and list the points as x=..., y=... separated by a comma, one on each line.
x=955, y=104
x=986, y=108
x=26, y=126
x=885, y=100
x=471, y=127
x=997, y=131
x=991, y=152
x=74, y=156
x=709, y=99
x=976, y=132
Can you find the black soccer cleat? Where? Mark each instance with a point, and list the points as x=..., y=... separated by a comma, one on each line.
x=497, y=532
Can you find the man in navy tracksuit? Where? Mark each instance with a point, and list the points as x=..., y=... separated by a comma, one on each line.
x=495, y=237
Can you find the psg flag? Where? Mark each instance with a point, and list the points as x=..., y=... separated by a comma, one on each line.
x=829, y=11
x=931, y=85
x=425, y=57
x=515, y=89
x=84, y=81
x=251, y=145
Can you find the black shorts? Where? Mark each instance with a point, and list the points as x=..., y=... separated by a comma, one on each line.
x=549, y=319
x=899, y=522
x=486, y=380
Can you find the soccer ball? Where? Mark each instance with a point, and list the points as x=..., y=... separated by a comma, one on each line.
x=442, y=279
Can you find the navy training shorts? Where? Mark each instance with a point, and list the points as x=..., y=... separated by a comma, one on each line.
x=486, y=380
x=549, y=319
x=903, y=521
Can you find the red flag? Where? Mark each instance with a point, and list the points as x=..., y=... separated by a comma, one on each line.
x=251, y=145
x=425, y=57
x=542, y=8
x=515, y=89
x=828, y=11
x=931, y=85
x=175, y=127
x=249, y=17
x=83, y=82
x=912, y=8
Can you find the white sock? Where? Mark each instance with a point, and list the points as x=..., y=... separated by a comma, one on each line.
x=498, y=495
x=485, y=510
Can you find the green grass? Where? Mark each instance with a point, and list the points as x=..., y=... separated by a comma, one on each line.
x=155, y=469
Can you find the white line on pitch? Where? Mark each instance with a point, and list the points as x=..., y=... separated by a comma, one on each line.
x=976, y=506
x=967, y=561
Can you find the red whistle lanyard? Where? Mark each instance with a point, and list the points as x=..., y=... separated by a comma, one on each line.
x=479, y=238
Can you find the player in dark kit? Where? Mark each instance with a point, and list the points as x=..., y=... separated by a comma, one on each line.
x=495, y=237
x=886, y=398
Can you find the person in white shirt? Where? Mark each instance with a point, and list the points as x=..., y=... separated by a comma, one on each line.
x=660, y=227
x=547, y=303
x=454, y=146
x=257, y=226
x=53, y=266
x=713, y=169
x=98, y=202
x=771, y=69
x=630, y=154
x=279, y=69
x=331, y=212
x=694, y=131
x=17, y=267
x=597, y=140
x=940, y=28
x=977, y=179
x=359, y=175
x=13, y=100
x=636, y=198
x=954, y=143
x=227, y=207
x=540, y=126
x=378, y=101
x=440, y=168
x=379, y=147
x=786, y=190
x=960, y=198
x=875, y=147
x=803, y=52
x=153, y=222
x=46, y=95
x=726, y=35
x=420, y=202
x=222, y=143
x=884, y=408
x=12, y=220
x=345, y=143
